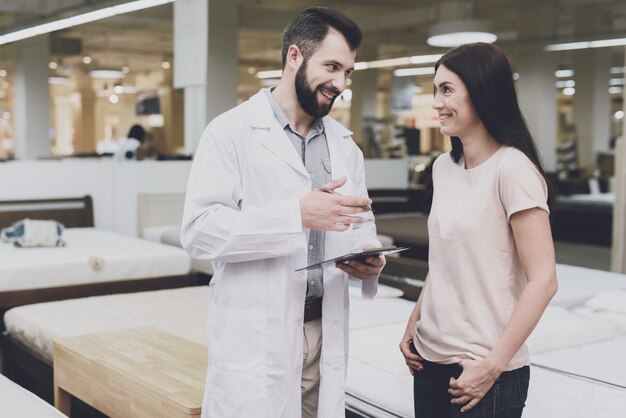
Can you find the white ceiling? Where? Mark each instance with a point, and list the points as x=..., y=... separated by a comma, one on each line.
x=391, y=27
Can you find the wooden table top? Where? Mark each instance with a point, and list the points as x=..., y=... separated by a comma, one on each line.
x=146, y=362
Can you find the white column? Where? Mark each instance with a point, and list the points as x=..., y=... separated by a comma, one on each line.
x=535, y=87
x=205, y=61
x=618, y=250
x=537, y=98
x=592, y=103
x=32, y=117
x=363, y=105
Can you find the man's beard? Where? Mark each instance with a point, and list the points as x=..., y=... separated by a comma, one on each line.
x=308, y=97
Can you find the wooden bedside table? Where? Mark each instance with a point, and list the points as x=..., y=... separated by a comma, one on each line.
x=141, y=372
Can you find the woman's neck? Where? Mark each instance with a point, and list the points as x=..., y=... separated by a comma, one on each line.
x=478, y=148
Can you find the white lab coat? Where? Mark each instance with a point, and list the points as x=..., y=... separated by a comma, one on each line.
x=242, y=211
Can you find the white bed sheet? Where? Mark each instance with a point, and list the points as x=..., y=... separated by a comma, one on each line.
x=182, y=312
x=578, y=284
x=90, y=256
x=16, y=401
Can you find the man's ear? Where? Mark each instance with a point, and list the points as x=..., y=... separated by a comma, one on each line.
x=294, y=56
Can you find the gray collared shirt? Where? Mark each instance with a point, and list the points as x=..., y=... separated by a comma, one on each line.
x=313, y=151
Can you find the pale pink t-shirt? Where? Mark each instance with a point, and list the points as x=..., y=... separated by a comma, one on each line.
x=475, y=276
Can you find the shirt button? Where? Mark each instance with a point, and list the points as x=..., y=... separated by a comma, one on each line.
x=312, y=283
x=310, y=247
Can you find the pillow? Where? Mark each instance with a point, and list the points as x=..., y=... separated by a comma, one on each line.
x=34, y=233
x=611, y=301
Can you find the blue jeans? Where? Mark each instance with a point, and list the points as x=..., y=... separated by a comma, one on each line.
x=505, y=399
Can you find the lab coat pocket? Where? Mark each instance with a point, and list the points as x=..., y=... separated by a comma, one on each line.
x=238, y=354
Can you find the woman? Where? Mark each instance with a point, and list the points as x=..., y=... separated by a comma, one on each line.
x=491, y=259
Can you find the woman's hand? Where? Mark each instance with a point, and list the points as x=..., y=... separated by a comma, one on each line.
x=473, y=384
x=412, y=360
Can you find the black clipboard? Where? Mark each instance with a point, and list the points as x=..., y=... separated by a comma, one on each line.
x=372, y=252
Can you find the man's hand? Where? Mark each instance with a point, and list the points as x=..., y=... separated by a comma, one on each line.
x=321, y=211
x=365, y=269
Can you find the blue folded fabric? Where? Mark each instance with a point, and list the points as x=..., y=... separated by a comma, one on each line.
x=34, y=233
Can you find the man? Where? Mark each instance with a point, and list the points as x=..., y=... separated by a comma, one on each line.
x=255, y=209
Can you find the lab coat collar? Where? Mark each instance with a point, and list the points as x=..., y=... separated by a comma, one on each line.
x=275, y=139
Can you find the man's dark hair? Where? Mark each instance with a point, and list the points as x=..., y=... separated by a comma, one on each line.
x=309, y=28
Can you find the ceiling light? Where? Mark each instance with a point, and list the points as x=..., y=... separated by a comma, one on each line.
x=57, y=80
x=615, y=90
x=106, y=74
x=453, y=33
x=569, y=91
x=270, y=82
x=53, y=65
x=251, y=70
x=616, y=82
x=569, y=46
x=618, y=70
x=564, y=73
x=269, y=74
x=113, y=98
x=515, y=76
x=405, y=72
x=125, y=69
x=87, y=59
x=165, y=65
x=79, y=19
x=364, y=65
x=3, y=73
x=619, y=115
x=561, y=84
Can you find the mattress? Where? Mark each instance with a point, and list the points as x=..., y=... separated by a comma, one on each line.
x=16, y=401
x=578, y=284
x=90, y=256
x=182, y=312
x=380, y=385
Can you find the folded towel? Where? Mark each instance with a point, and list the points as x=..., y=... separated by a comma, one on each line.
x=34, y=233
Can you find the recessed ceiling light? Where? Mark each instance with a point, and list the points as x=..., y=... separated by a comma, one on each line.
x=453, y=33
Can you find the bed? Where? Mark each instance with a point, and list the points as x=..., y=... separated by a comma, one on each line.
x=378, y=383
x=30, y=330
x=16, y=401
x=93, y=261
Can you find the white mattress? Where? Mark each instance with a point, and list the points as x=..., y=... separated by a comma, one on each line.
x=578, y=284
x=181, y=311
x=90, y=256
x=16, y=401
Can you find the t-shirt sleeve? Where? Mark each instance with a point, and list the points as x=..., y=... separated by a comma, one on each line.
x=522, y=187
